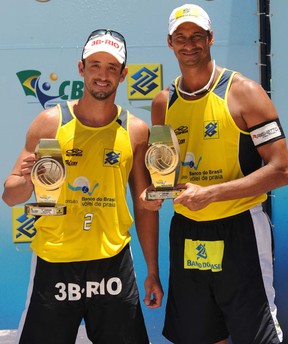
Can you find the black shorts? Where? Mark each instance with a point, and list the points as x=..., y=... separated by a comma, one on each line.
x=221, y=281
x=102, y=292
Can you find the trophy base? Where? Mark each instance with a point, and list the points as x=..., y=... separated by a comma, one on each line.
x=152, y=195
x=42, y=209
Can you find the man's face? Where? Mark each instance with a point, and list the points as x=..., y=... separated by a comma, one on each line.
x=102, y=74
x=190, y=43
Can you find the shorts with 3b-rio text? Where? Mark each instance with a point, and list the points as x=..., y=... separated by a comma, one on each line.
x=221, y=281
x=101, y=292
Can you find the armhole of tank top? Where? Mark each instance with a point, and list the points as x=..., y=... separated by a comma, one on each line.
x=122, y=119
x=229, y=84
x=172, y=97
x=60, y=119
x=225, y=83
x=66, y=113
x=222, y=86
x=126, y=126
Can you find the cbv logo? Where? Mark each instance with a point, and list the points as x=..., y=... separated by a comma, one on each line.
x=33, y=85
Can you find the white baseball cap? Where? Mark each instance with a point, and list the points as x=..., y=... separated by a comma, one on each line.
x=108, y=41
x=189, y=13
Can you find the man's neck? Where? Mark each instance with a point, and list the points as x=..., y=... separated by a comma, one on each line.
x=95, y=113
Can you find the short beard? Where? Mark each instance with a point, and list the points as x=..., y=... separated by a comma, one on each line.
x=101, y=95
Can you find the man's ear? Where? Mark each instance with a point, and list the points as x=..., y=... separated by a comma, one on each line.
x=123, y=74
x=81, y=67
x=211, y=38
x=169, y=41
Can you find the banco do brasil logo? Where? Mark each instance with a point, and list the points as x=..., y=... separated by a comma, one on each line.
x=49, y=91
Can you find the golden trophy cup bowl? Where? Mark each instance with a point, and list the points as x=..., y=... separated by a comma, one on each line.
x=47, y=175
x=162, y=159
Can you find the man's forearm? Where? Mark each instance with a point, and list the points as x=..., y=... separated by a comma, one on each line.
x=147, y=230
x=16, y=190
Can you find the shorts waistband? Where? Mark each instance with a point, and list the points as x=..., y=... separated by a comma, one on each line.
x=257, y=209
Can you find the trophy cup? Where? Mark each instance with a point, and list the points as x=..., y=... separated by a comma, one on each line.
x=162, y=159
x=47, y=175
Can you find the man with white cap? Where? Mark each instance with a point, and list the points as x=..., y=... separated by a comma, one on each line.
x=221, y=264
x=82, y=267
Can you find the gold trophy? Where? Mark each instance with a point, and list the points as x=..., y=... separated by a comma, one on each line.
x=162, y=159
x=47, y=175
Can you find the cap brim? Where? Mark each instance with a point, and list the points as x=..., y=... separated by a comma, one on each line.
x=109, y=50
x=105, y=43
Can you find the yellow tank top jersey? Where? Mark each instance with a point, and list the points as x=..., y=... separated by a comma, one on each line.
x=98, y=162
x=212, y=148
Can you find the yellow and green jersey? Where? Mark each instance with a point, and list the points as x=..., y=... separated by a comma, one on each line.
x=98, y=163
x=213, y=149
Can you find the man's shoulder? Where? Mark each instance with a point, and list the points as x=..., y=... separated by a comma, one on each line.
x=50, y=114
x=136, y=121
x=242, y=83
x=161, y=97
